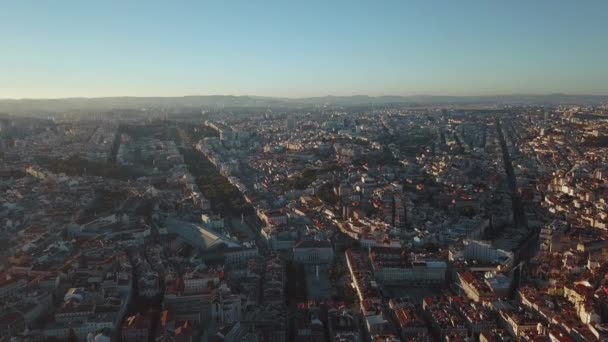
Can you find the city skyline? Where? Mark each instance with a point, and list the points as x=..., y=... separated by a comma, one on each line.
x=281, y=171
x=74, y=49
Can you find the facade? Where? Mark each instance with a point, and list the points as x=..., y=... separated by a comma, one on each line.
x=395, y=266
x=280, y=238
x=196, y=307
x=517, y=323
x=419, y=272
x=273, y=217
x=313, y=252
x=11, y=323
x=485, y=253
x=199, y=236
x=240, y=255
x=400, y=220
x=136, y=328
x=226, y=309
x=62, y=331
x=474, y=288
x=11, y=285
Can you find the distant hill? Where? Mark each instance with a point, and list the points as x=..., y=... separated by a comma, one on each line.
x=217, y=101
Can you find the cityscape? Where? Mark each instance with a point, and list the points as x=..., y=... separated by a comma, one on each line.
x=315, y=171
x=324, y=223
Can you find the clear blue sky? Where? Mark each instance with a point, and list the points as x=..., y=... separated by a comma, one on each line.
x=60, y=48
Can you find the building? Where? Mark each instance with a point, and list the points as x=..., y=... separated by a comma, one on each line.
x=477, y=317
x=215, y=222
x=291, y=123
x=240, y=255
x=136, y=328
x=484, y=253
x=495, y=335
x=11, y=324
x=10, y=284
x=226, y=309
x=273, y=217
x=313, y=252
x=199, y=236
x=517, y=323
x=547, y=235
x=474, y=286
x=445, y=322
x=281, y=237
x=396, y=266
x=411, y=324
x=400, y=214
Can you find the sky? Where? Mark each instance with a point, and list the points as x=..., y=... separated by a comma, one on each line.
x=300, y=48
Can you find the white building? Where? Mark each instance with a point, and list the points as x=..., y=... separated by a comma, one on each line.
x=241, y=255
x=485, y=253
x=419, y=272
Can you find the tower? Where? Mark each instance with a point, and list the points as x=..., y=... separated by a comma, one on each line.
x=400, y=217
x=388, y=214
x=291, y=122
x=546, y=237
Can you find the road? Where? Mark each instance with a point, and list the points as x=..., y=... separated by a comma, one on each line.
x=519, y=215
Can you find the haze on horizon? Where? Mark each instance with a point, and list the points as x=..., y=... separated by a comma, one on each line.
x=310, y=48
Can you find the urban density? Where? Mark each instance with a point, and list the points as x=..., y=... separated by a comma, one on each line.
x=303, y=171
x=331, y=222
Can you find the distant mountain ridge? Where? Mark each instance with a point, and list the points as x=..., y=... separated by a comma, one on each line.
x=210, y=101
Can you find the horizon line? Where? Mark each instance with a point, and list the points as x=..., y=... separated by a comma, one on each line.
x=289, y=98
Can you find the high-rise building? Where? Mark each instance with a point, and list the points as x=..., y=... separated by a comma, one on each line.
x=545, y=239
x=400, y=216
x=291, y=122
x=393, y=209
x=547, y=234
x=388, y=208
